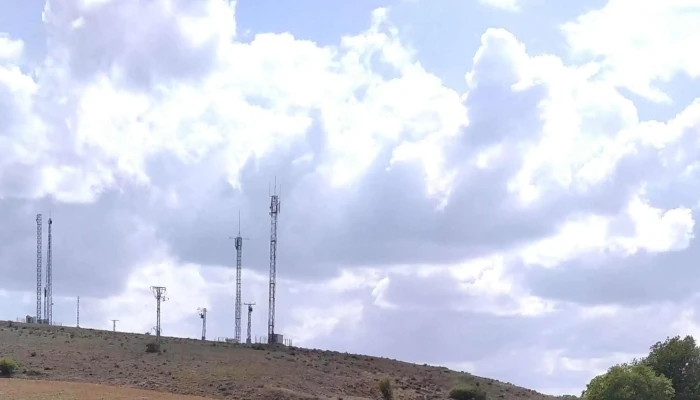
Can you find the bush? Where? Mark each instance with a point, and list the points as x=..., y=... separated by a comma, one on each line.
x=467, y=392
x=386, y=389
x=153, y=347
x=7, y=366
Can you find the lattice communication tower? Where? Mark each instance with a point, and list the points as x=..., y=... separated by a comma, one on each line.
x=250, y=314
x=159, y=294
x=203, y=316
x=239, y=254
x=274, y=211
x=38, y=268
x=48, y=292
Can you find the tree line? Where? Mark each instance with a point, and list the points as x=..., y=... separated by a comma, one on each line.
x=671, y=371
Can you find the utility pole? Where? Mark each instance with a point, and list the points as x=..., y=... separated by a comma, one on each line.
x=238, y=240
x=38, y=268
x=77, y=315
x=203, y=316
x=250, y=314
x=274, y=210
x=114, y=325
x=159, y=293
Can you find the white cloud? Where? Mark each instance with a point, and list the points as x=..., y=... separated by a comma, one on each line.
x=508, y=5
x=639, y=43
x=11, y=50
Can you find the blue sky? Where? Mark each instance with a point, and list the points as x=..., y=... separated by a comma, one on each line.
x=513, y=178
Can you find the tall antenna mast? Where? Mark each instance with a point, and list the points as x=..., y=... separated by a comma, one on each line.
x=114, y=325
x=238, y=240
x=159, y=293
x=38, y=268
x=274, y=210
x=203, y=316
x=77, y=315
x=48, y=310
x=250, y=313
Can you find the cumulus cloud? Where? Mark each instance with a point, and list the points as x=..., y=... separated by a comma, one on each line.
x=495, y=230
x=638, y=50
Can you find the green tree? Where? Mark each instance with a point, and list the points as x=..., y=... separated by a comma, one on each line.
x=678, y=360
x=629, y=382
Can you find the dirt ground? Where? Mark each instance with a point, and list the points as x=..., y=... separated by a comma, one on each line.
x=23, y=389
x=222, y=371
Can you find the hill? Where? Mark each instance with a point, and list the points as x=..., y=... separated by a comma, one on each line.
x=224, y=371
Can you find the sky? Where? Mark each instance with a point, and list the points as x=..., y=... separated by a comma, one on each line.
x=503, y=187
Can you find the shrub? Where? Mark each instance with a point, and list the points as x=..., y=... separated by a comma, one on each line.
x=7, y=366
x=386, y=389
x=467, y=392
x=153, y=347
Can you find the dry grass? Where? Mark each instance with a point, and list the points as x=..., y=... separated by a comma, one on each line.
x=219, y=370
x=22, y=389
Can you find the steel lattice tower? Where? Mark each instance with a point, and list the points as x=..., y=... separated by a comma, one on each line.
x=114, y=325
x=77, y=315
x=159, y=293
x=274, y=211
x=239, y=251
x=48, y=308
x=38, y=268
x=250, y=314
x=203, y=316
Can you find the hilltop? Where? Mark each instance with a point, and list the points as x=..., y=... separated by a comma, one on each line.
x=224, y=371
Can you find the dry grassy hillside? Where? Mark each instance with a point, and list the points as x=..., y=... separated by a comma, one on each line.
x=225, y=371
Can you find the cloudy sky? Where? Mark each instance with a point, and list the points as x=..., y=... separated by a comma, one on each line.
x=506, y=187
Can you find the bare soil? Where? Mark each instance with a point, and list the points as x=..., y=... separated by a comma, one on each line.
x=220, y=370
x=23, y=389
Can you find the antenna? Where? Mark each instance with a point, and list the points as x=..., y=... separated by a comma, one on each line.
x=250, y=313
x=77, y=315
x=203, y=316
x=159, y=293
x=274, y=210
x=114, y=325
x=238, y=241
x=48, y=293
x=38, y=268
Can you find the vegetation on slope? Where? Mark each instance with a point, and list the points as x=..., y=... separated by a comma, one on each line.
x=671, y=371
